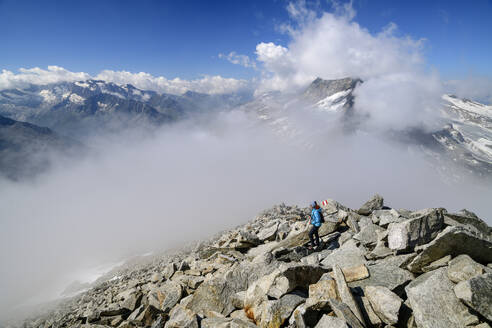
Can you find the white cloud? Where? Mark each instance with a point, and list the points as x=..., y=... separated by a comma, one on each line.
x=207, y=84
x=36, y=75
x=477, y=88
x=54, y=74
x=237, y=59
x=333, y=45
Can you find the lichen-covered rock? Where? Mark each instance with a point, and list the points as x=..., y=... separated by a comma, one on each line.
x=386, y=275
x=419, y=230
x=358, y=272
x=435, y=304
x=345, y=293
x=165, y=297
x=453, y=241
x=320, y=294
x=180, y=317
x=343, y=312
x=477, y=294
x=274, y=313
x=463, y=267
x=384, y=302
x=443, y=261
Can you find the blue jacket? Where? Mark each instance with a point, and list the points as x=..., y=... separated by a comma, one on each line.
x=315, y=217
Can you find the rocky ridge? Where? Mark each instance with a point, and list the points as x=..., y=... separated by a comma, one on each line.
x=377, y=267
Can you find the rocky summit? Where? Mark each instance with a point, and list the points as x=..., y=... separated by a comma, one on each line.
x=376, y=267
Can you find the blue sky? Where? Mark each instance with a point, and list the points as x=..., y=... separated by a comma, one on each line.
x=183, y=38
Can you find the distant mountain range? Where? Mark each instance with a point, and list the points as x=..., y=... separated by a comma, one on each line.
x=76, y=110
x=79, y=109
x=25, y=148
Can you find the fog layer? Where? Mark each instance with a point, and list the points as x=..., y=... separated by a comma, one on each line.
x=187, y=182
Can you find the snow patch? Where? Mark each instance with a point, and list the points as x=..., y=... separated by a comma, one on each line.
x=334, y=102
x=82, y=84
x=48, y=96
x=76, y=99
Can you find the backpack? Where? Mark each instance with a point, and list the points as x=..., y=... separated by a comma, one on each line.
x=321, y=216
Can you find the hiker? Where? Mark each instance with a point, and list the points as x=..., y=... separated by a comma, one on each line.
x=315, y=220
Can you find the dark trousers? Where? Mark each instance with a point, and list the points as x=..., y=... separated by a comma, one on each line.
x=314, y=231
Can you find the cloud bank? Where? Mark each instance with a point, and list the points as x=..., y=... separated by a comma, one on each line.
x=54, y=74
x=190, y=180
x=399, y=90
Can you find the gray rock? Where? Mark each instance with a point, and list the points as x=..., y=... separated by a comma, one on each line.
x=437, y=264
x=401, y=260
x=352, y=221
x=156, y=277
x=165, y=297
x=132, y=301
x=368, y=234
x=320, y=294
x=217, y=294
x=467, y=218
x=453, y=241
x=385, y=217
x=477, y=294
x=180, y=317
x=169, y=270
x=462, y=268
x=375, y=203
x=268, y=233
x=294, y=277
x=345, y=293
x=372, y=317
x=330, y=207
x=348, y=255
x=331, y=322
x=419, y=230
x=237, y=299
x=343, y=312
x=380, y=251
x=434, y=303
x=386, y=275
x=274, y=313
x=226, y=323
x=384, y=302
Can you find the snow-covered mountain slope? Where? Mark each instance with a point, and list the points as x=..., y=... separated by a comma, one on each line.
x=465, y=138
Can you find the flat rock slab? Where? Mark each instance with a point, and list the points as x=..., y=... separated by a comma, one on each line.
x=453, y=241
x=435, y=304
x=348, y=255
x=388, y=276
x=477, y=294
x=354, y=273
